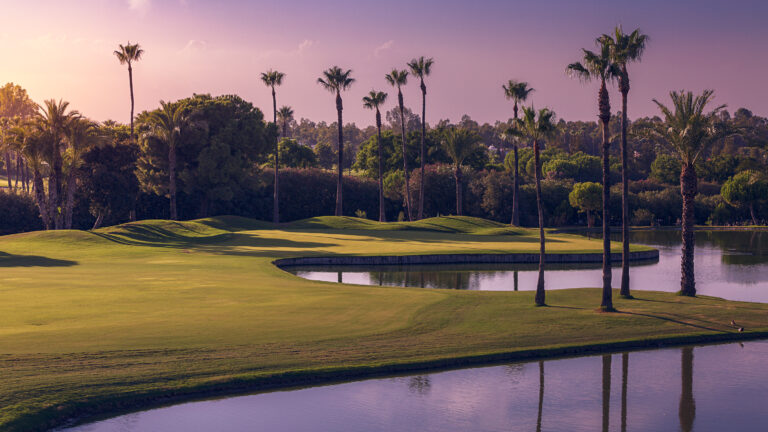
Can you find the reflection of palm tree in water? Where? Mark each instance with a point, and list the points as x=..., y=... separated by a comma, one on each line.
x=420, y=384
x=606, y=391
x=624, y=373
x=514, y=276
x=541, y=395
x=687, y=410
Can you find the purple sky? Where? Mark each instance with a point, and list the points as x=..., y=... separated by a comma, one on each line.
x=64, y=50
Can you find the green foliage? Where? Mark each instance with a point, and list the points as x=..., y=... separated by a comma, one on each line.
x=295, y=155
x=643, y=217
x=666, y=169
x=587, y=196
x=745, y=188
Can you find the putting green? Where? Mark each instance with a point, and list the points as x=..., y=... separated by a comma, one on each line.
x=94, y=321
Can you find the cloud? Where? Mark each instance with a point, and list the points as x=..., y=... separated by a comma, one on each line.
x=383, y=47
x=139, y=5
x=194, y=46
x=300, y=50
x=303, y=46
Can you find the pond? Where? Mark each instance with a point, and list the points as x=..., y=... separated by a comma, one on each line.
x=728, y=264
x=702, y=388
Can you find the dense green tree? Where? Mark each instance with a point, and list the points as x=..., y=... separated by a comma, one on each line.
x=746, y=189
x=397, y=79
x=128, y=54
x=326, y=155
x=295, y=155
x=81, y=135
x=666, y=168
x=459, y=144
x=599, y=66
x=422, y=67
x=625, y=49
x=689, y=132
x=537, y=129
x=517, y=92
x=587, y=197
x=373, y=101
x=109, y=180
x=336, y=80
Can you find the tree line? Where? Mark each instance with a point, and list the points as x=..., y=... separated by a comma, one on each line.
x=211, y=154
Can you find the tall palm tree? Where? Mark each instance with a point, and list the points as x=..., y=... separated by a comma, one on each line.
x=422, y=67
x=600, y=66
x=127, y=54
x=34, y=142
x=336, y=80
x=285, y=115
x=373, y=101
x=81, y=135
x=271, y=79
x=459, y=144
x=518, y=92
x=53, y=117
x=166, y=125
x=537, y=129
x=625, y=49
x=399, y=78
x=689, y=131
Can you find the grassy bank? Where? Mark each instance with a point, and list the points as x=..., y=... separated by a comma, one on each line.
x=98, y=321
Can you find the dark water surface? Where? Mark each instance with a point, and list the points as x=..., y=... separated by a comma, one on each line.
x=728, y=264
x=702, y=388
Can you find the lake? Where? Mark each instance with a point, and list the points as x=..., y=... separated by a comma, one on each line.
x=728, y=264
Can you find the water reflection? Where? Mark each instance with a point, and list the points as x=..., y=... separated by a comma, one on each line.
x=729, y=264
x=575, y=394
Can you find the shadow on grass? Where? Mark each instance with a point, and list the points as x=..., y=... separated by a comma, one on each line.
x=8, y=260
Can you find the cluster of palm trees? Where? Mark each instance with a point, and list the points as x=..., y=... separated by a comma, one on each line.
x=50, y=141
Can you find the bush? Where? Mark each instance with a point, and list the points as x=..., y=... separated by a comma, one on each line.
x=18, y=213
x=643, y=217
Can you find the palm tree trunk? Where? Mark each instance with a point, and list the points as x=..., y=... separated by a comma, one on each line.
x=405, y=158
x=516, y=188
x=540, y=295
x=42, y=205
x=624, y=193
x=8, y=169
x=130, y=84
x=54, y=185
x=339, y=108
x=457, y=177
x=382, y=215
x=688, y=188
x=423, y=150
x=275, y=205
x=589, y=219
x=605, y=117
x=172, y=179
x=70, y=198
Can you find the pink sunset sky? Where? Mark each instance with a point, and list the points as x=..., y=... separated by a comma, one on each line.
x=59, y=49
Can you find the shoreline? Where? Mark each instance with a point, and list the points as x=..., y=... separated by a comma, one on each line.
x=298, y=379
x=513, y=258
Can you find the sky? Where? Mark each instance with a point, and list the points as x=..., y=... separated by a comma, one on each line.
x=59, y=49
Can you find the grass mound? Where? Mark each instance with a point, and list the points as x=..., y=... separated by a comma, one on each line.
x=442, y=224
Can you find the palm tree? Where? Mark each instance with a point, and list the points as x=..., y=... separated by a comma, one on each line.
x=166, y=124
x=689, y=131
x=285, y=115
x=537, y=130
x=34, y=142
x=335, y=80
x=459, y=144
x=422, y=67
x=127, y=54
x=398, y=79
x=54, y=118
x=625, y=49
x=272, y=78
x=81, y=135
x=601, y=67
x=373, y=101
x=518, y=92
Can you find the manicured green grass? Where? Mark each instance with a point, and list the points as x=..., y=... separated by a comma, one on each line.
x=95, y=321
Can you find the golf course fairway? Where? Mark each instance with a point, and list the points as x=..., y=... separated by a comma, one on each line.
x=96, y=322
